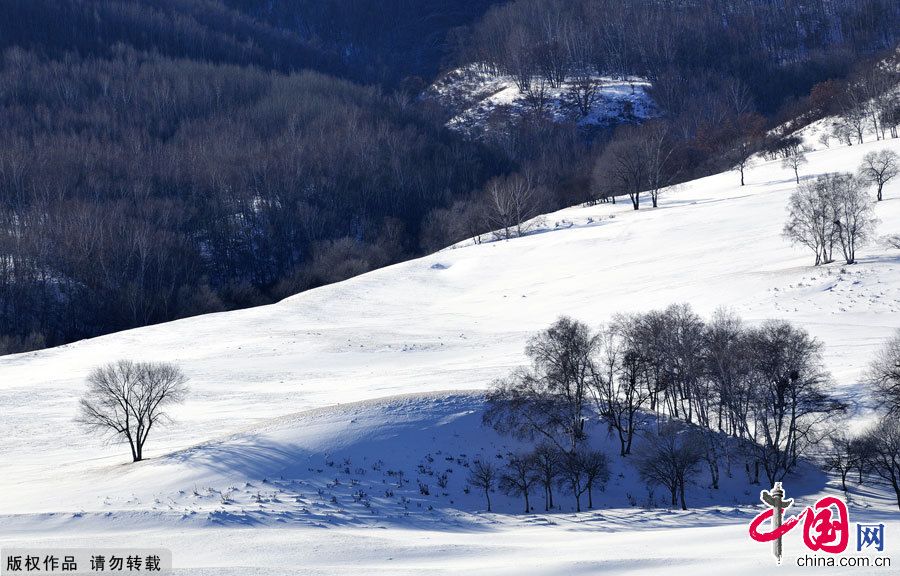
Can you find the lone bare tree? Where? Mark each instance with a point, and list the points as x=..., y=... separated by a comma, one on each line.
x=127, y=399
x=621, y=168
x=740, y=156
x=794, y=158
x=483, y=475
x=878, y=168
x=511, y=202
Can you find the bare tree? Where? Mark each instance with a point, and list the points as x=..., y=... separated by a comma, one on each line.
x=670, y=459
x=854, y=219
x=658, y=151
x=884, y=375
x=619, y=387
x=883, y=452
x=583, y=92
x=483, y=475
x=842, y=131
x=789, y=396
x=127, y=399
x=794, y=159
x=512, y=201
x=550, y=399
x=840, y=456
x=547, y=461
x=878, y=168
x=572, y=476
x=811, y=218
x=621, y=169
x=595, y=465
x=519, y=478
x=740, y=156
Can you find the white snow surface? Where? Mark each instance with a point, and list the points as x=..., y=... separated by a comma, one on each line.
x=285, y=458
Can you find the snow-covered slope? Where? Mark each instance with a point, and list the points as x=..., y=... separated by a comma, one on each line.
x=246, y=451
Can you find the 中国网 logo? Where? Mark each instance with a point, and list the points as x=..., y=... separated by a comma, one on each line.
x=825, y=525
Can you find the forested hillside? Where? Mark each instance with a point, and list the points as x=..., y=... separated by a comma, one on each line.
x=165, y=158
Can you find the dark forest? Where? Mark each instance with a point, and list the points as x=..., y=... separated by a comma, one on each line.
x=166, y=158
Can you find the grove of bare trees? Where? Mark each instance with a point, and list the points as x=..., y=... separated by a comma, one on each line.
x=833, y=210
x=686, y=388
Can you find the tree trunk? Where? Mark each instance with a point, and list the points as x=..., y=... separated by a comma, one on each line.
x=714, y=472
x=487, y=497
x=681, y=490
x=880, y=186
x=527, y=504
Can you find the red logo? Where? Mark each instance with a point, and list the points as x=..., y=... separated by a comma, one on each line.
x=826, y=524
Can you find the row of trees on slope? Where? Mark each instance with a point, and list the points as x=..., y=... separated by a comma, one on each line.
x=764, y=386
x=874, y=451
x=713, y=391
x=645, y=159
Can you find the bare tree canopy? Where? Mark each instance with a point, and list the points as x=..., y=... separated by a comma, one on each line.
x=882, y=452
x=550, y=399
x=831, y=210
x=512, y=201
x=884, y=373
x=670, y=458
x=126, y=399
x=878, y=168
x=794, y=158
x=789, y=386
x=483, y=475
x=520, y=477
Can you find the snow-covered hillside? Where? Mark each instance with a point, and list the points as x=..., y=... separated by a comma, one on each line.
x=300, y=412
x=477, y=98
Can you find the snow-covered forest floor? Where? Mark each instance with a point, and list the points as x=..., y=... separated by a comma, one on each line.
x=331, y=433
x=478, y=98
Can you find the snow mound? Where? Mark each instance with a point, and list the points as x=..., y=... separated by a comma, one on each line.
x=394, y=461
